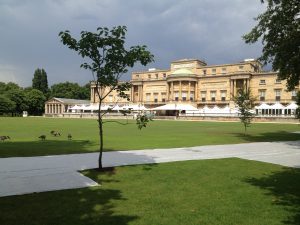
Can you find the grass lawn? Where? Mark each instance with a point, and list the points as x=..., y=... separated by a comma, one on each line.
x=212, y=192
x=24, y=133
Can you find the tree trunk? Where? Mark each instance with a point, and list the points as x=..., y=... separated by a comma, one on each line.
x=100, y=125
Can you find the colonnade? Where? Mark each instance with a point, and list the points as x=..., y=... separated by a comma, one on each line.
x=53, y=108
x=192, y=87
x=234, y=88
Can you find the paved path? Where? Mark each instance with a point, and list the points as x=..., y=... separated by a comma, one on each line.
x=24, y=175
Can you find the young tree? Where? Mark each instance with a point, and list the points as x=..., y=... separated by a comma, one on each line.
x=244, y=102
x=279, y=28
x=108, y=60
x=40, y=81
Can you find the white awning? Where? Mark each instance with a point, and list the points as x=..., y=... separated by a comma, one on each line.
x=292, y=105
x=262, y=106
x=180, y=107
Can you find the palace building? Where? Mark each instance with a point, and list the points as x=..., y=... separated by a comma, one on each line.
x=192, y=81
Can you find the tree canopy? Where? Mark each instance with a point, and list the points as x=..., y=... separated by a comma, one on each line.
x=35, y=100
x=279, y=29
x=70, y=90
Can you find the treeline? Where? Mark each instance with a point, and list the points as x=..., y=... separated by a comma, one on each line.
x=15, y=99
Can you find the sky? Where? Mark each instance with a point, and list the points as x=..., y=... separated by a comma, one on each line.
x=210, y=30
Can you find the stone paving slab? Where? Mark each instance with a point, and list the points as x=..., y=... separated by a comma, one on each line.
x=22, y=175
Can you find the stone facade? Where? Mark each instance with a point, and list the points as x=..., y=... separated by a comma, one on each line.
x=58, y=106
x=194, y=82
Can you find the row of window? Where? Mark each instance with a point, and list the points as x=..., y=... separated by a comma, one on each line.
x=263, y=82
x=262, y=94
x=204, y=71
x=153, y=75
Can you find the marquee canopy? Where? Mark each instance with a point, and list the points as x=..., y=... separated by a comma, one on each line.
x=180, y=107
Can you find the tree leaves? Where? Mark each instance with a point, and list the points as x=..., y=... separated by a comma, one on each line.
x=279, y=29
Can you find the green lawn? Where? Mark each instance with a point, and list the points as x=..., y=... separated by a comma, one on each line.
x=212, y=192
x=24, y=133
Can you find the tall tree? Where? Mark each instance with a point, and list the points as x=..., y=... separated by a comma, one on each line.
x=279, y=29
x=108, y=60
x=40, y=80
x=245, y=103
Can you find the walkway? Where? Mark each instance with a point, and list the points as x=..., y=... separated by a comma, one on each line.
x=24, y=175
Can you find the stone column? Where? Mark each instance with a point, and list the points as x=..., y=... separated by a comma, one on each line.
x=168, y=91
x=180, y=92
x=142, y=93
x=189, y=92
x=196, y=91
x=231, y=89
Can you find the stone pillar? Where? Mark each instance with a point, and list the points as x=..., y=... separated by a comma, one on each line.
x=142, y=93
x=180, y=92
x=233, y=89
x=189, y=92
x=196, y=91
x=168, y=89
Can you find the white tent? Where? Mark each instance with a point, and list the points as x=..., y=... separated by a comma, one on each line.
x=276, y=106
x=179, y=107
x=292, y=105
x=136, y=107
x=75, y=107
x=262, y=106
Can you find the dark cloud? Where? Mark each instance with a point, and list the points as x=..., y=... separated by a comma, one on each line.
x=205, y=29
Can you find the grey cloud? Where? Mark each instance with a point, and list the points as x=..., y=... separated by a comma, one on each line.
x=172, y=29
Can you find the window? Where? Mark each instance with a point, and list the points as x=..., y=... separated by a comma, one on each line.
x=277, y=81
x=294, y=95
x=223, y=70
x=156, y=76
x=223, y=95
x=203, y=96
x=183, y=95
x=262, y=95
x=213, y=71
x=262, y=82
x=277, y=94
x=204, y=72
x=155, y=96
x=241, y=68
x=164, y=75
x=149, y=76
x=137, y=76
x=192, y=96
x=163, y=96
x=176, y=95
x=148, y=97
x=213, y=96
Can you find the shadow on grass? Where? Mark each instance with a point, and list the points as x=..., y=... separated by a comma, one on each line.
x=88, y=206
x=268, y=136
x=284, y=186
x=47, y=147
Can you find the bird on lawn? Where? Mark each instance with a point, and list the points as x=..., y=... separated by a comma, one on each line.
x=42, y=137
